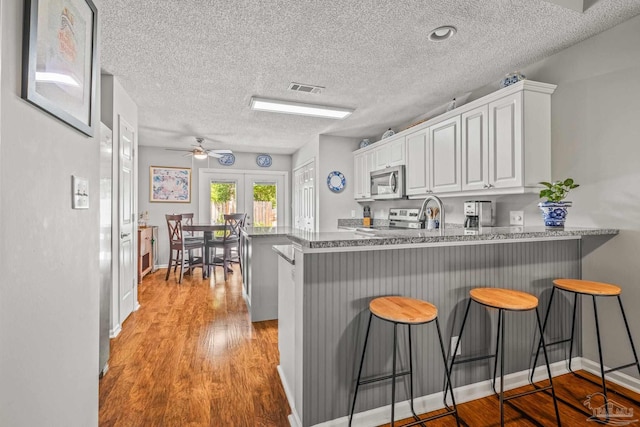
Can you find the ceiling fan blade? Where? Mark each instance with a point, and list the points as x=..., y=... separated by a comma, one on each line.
x=216, y=155
x=221, y=151
x=187, y=154
x=178, y=149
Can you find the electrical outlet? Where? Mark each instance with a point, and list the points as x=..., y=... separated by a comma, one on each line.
x=516, y=217
x=454, y=342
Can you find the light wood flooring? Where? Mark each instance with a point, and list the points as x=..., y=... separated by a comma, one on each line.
x=190, y=357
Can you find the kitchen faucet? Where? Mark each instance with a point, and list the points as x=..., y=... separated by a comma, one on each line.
x=440, y=206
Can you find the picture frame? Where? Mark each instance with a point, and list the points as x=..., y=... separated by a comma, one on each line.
x=169, y=184
x=59, y=61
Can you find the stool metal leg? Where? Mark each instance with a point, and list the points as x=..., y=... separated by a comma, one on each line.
x=495, y=361
x=444, y=360
x=546, y=361
x=604, y=383
x=393, y=373
x=364, y=349
x=544, y=328
x=626, y=325
x=455, y=350
x=573, y=328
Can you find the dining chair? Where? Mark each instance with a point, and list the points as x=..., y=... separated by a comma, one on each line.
x=179, y=245
x=229, y=241
x=187, y=219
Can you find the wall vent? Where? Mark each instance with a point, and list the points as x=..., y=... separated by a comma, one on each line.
x=300, y=87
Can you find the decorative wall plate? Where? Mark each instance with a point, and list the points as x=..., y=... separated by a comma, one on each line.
x=264, y=160
x=227, y=159
x=365, y=143
x=388, y=133
x=336, y=181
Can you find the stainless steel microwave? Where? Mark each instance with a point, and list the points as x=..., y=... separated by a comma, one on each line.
x=388, y=183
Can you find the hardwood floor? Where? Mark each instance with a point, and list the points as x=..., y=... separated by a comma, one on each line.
x=190, y=357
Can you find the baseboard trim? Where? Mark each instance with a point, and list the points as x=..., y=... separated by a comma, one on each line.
x=462, y=394
x=294, y=419
x=617, y=377
x=115, y=331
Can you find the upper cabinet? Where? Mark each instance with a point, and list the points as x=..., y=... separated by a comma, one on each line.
x=498, y=144
x=363, y=165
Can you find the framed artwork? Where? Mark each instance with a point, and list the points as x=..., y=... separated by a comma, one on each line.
x=169, y=184
x=59, y=67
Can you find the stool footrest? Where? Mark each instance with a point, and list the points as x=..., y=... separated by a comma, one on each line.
x=620, y=367
x=526, y=393
x=382, y=378
x=547, y=344
x=431, y=418
x=473, y=359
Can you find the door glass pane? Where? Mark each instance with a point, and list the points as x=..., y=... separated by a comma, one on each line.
x=265, y=213
x=223, y=200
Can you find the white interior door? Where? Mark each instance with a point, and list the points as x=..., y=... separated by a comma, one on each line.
x=304, y=197
x=127, y=277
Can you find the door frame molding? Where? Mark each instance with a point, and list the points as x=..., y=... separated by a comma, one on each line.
x=206, y=174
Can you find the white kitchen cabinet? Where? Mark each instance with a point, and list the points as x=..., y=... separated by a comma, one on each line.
x=445, y=158
x=390, y=154
x=417, y=170
x=363, y=164
x=475, y=149
x=505, y=142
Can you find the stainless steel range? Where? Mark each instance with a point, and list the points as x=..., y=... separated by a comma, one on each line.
x=405, y=218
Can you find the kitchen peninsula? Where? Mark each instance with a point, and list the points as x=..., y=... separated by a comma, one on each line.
x=325, y=289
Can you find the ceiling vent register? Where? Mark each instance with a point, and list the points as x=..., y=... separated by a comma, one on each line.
x=299, y=87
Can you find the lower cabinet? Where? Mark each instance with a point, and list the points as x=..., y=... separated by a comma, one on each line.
x=146, y=250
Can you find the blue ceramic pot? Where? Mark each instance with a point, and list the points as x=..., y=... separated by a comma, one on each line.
x=554, y=214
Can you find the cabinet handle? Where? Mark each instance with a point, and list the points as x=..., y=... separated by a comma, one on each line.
x=487, y=185
x=123, y=235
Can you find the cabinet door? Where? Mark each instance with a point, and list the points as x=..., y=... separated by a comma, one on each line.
x=358, y=173
x=396, y=152
x=369, y=159
x=505, y=142
x=417, y=170
x=475, y=149
x=445, y=158
x=382, y=157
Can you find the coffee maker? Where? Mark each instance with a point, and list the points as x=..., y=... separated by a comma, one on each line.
x=478, y=214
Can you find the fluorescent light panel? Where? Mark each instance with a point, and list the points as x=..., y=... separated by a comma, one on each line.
x=275, y=106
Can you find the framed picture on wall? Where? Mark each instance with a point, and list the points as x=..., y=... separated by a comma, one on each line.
x=169, y=184
x=59, y=67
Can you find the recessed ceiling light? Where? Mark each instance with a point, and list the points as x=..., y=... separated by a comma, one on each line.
x=442, y=33
x=286, y=107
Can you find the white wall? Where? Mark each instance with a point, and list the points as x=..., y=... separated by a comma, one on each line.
x=153, y=156
x=49, y=289
x=335, y=154
x=596, y=140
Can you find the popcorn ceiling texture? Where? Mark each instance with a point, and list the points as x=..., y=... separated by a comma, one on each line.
x=193, y=65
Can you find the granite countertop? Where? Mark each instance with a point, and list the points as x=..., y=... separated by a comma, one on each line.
x=286, y=252
x=268, y=231
x=377, y=237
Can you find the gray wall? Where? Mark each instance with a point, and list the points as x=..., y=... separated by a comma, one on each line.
x=49, y=289
x=595, y=139
x=153, y=156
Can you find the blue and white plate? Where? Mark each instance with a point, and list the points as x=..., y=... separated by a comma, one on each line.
x=264, y=160
x=336, y=181
x=227, y=159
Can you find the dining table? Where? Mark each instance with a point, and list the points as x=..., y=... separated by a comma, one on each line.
x=206, y=228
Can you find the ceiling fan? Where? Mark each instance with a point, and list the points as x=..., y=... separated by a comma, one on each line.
x=201, y=153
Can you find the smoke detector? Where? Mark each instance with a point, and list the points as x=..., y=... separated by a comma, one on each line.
x=300, y=87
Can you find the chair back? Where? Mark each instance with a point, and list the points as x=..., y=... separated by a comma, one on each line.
x=187, y=219
x=174, y=225
x=233, y=224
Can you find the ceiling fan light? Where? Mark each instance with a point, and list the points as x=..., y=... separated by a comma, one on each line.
x=200, y=155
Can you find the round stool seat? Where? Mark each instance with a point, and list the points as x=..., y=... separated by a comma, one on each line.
x=587, y=287
x=505, y=299
x=403, y=310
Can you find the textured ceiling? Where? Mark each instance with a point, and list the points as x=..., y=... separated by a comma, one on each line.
x=193, y=65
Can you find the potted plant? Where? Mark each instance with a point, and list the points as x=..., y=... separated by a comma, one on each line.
x=554, y=210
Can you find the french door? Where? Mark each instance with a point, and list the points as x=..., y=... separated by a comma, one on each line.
x=263, y=196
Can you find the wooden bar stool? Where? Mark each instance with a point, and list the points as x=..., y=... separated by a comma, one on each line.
x=503, y=300
x=595, y=289
x=403, y=311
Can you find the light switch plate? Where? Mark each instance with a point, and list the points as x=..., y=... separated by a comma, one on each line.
x=516, y=217
x=79, y=192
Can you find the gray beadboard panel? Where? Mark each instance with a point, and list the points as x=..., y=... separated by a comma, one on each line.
x=339, y=286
